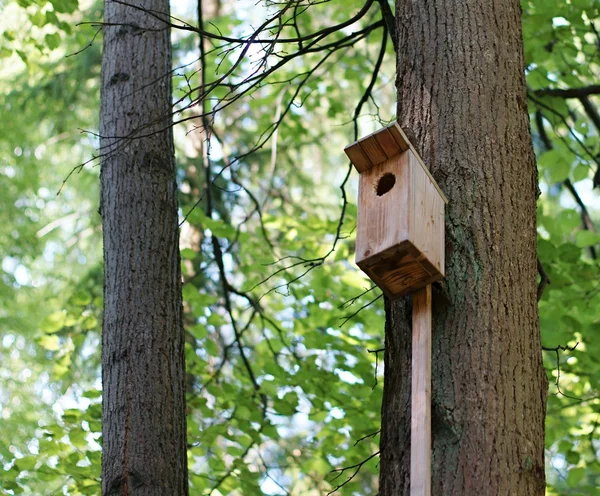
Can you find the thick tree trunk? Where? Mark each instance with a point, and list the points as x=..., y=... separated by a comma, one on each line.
x=144, y=429
x=461, y=89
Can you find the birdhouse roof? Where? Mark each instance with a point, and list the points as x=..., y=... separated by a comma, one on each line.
x=381, y=146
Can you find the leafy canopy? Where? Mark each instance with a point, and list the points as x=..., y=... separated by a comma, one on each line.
x=283, y=332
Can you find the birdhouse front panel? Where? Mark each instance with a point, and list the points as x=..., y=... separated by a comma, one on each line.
x=383, y=219
x=400, y=224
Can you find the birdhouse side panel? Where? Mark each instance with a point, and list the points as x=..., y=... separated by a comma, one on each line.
x=383, y=211
x=426, y=218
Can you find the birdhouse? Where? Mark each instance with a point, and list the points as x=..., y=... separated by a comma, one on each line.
x=400, y=225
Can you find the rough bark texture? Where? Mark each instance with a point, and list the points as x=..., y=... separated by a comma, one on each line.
x=461, y=89
x=144, y=429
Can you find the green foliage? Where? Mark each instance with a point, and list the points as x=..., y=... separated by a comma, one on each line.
x=50, y=282
x=284, y=381
x=561, y=47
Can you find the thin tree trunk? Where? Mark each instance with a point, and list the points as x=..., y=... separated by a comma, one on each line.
x=461, y=89
x=144, y=429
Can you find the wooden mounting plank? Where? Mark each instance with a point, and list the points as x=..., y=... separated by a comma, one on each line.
x=420, y=434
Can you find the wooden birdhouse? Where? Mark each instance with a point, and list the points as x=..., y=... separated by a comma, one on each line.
x=400, y=225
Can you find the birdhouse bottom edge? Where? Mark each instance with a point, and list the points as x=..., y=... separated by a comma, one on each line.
x=400, y=269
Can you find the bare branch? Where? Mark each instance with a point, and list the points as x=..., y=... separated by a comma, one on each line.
x=585, y=216
x=569, y=92
x=544, y=279
x=348, y=317
x=356, y=467
x=556, y=350
x=592, y=111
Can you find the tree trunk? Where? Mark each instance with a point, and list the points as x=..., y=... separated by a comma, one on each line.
x=461, y=89
x=144, y=429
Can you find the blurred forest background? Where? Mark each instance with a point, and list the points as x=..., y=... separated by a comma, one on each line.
x=283, y=212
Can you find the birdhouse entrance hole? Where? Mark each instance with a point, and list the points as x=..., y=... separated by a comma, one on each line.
x=385, y=183
x=400, y=220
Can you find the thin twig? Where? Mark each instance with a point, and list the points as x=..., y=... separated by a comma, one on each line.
x=544, y=279
x=356, y=466
x=556, y=350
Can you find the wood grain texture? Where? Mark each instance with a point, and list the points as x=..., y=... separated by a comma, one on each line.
x=400, y=270
x=404, y=143
x=400, y=234
x=387, y=143
x=372, y=149
x=358, y=157
x=420, y=439
x=384, y=144
x=382, y=221
x=426, y=216
x=461, y=89
x=377, y=147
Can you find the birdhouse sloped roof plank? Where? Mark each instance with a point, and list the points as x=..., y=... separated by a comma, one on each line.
x=382, y=145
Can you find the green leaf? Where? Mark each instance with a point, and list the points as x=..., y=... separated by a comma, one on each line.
x=318, y=416
x=22, y=55
x=92, y=393
x=64, y=6
x=586, y=238
x=50, y=343
x=572, y=323
x=89, y=322
x=37, y=19
x=81, y=298
x=52, y=40
x=287, y=405
x=188, y=254
x=581, y=172
x=575, y=476
x=556, y=163
x=54, y=322
x=77, y=437
x=570, y=253
x=199, y=331
x=546, y=250
x=211, y=347
x=568, y=220
x=72, y=415
x=9, y=476
x=26, y=463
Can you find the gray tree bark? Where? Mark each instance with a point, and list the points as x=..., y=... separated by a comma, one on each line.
x=461, y=89
x=144, y=426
